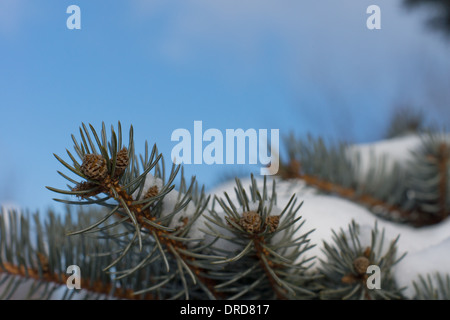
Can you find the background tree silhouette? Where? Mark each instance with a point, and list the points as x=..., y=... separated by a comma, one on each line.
x=441, y=17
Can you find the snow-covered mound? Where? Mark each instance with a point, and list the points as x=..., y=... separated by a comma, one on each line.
x=427, y=248
x=392, y=150
x=388, y=152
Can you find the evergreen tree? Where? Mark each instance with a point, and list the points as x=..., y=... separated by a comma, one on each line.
x=441, y=18
x=138, y=234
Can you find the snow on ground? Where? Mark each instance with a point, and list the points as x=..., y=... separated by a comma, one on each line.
x=427, y=248
x=387, y=152
x=393, y=150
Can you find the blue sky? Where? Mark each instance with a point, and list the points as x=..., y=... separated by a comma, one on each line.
x=302, y=66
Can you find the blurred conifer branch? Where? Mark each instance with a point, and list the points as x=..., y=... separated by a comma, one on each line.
x=152, y=239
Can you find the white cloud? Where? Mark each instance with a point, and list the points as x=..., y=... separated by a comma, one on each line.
x=308, y=27
x=325, y=42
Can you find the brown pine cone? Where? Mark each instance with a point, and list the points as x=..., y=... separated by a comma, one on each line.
x=361, y=264
x=151, y=192
x=272, y=222
x=250, y=221
x=122, y=162
x=94, y=167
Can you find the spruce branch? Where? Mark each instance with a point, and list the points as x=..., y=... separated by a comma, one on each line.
x=346, y=263
x=265, y=255
x=406, y=120
x=414, y=192
x=152, y=240
x=429, y=176
x=435, y=287
x=35, y=255
x=155, y=219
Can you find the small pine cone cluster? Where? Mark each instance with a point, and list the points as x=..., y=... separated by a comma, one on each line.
x=272, y=222
x=361, y=264
x=250, y=221
x=121, y=162
x=94, y=167
x=151, y=192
